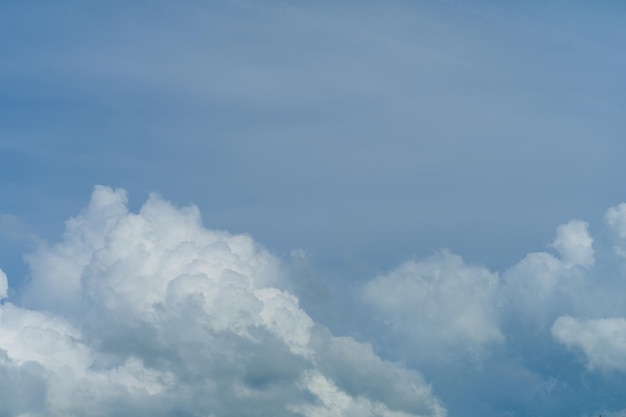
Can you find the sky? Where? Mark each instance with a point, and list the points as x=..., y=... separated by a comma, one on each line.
x=289, y=208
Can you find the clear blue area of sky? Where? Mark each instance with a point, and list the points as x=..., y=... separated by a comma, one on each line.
x=365, y=133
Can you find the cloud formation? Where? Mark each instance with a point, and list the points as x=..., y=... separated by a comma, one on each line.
x=602, y=341
x=440, y=303
x=150, y=313
x=445, y=308
x=541, y=286
x=530, y=338
x=599, y=333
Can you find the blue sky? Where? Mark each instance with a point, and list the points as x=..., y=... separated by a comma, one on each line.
x=435, y=181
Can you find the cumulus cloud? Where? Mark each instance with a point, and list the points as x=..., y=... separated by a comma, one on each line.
x=150, y=313
x=574, y=243
x=603, y=341
x=543, y=286
x=519, y=334
x=441, y=302
x=598, y=334
x=446, y=308
x=336, y=403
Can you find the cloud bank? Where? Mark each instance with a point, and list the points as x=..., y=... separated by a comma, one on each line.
x=445, y=307
x=531, y=338
x=150, y=313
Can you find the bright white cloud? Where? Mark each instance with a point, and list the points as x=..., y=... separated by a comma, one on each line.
x=441, y=303
x=56, y=271
x=150, y=313
x=56, y=359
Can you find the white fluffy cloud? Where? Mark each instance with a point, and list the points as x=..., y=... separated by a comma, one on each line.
x=543, y=286
x=574, y=243
x=601, y=340
x=150, y=313
x=447, y=308
x=441, y=302
x=582, y=303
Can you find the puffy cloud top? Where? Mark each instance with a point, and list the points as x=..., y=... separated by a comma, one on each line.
x=574, y=243
x=150, y=313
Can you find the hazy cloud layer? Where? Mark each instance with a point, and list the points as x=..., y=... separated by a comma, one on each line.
x=149, y=313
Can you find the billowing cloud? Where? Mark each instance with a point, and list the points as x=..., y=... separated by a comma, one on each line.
x=445, y=308
x=441, y=302
x=574, y=243
x=150, y=313
x=543, y=286
x=518, y=335
x=599, y=337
